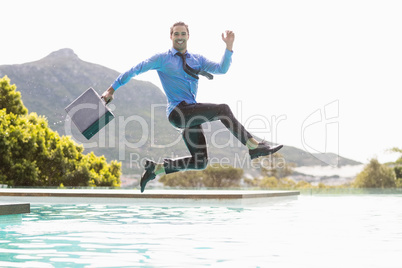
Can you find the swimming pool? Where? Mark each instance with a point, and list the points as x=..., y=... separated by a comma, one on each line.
x=308, y=231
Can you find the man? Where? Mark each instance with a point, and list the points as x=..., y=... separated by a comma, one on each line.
x=179, y=71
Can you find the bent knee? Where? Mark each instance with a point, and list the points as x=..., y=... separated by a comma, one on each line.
x=224, y=108
x=225, y=111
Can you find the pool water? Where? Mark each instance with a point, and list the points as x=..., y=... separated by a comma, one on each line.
x=308, y=231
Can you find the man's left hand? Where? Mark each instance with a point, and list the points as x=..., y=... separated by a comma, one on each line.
x=228, y=39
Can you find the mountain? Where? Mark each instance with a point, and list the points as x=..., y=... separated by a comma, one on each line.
x=140, y=128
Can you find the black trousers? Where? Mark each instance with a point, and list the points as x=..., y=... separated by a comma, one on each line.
x=189, y=117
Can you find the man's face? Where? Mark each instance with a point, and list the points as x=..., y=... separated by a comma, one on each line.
x=179, y=38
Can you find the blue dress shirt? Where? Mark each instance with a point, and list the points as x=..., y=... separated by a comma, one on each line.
x=177, y=84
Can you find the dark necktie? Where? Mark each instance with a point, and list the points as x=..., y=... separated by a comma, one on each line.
x=192, y=72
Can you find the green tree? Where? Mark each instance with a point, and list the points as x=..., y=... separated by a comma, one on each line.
x=254, y=182
x=397, y=150
x=10, y=98
x=303, y=185
x=269, y=182
x=286, y=183
x=398, y=166
x=375, y=175
x=398, y=173
x=31, y=154
x=212, y=176
x=188, y=179
x=274, y=166
x=222, y=176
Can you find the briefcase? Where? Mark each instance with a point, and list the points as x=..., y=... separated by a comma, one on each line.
x=89, y=113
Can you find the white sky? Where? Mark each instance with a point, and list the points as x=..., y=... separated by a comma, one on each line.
x=324, y=76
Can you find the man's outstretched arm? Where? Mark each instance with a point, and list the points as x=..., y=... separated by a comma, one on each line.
x=152, y=63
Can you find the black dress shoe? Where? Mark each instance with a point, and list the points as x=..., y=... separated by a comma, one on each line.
x=264, y=149
x=148, y=174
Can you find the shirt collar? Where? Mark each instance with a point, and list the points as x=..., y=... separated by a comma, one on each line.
x=174, y=52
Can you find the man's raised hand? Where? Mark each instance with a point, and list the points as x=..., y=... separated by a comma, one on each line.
x=228, y=39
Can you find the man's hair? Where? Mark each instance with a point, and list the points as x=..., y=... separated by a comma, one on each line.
x=180, y=23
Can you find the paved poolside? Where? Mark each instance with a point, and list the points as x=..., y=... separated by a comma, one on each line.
x=150, y=197
x=181, y=194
